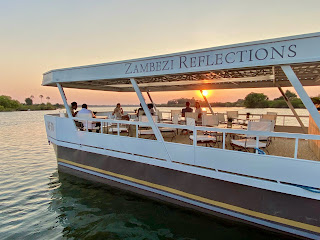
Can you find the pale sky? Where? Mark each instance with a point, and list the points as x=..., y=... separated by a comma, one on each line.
x=40, y=35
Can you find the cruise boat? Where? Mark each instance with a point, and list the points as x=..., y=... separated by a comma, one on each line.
x=273, y=191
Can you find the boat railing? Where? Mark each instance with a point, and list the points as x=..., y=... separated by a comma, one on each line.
x=217, y=159
x=282, y=119
x=225, y=132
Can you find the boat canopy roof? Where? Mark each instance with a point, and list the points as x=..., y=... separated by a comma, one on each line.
x=245, y=65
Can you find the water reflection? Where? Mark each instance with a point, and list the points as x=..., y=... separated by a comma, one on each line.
x=95, y=211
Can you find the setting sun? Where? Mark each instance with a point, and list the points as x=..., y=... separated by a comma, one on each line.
x=205, y=93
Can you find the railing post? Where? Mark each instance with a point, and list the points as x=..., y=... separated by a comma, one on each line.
x=257, y=144
x=154, y=127
x=296, y=145
x=224, y=140
x=194, y=143
x=137, y=131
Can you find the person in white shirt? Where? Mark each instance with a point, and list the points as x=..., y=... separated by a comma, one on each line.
x=85, y=111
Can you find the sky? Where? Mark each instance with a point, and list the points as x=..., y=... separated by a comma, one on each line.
x=40, y=35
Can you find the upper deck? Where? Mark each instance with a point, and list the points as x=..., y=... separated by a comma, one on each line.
x=244, y=65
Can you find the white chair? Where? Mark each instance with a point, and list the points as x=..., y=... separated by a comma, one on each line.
x=175, y=120
x=191, y=115
x=272, y=113
x=87, y=125
x=175, y=112
x=232, y=115
x=221, y=118
x=272, y=117
x=210, y=120
x=147, y=132
x=248, y=141
x=201, y=138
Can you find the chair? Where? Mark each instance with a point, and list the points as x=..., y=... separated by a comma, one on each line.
x=221, y=118
x=272, y=113
x=191, y=115
x=272, y=117
x=210, y=120
x=114, y=129
x=201, y=138
x=87, y=125
x=175, y=120
x=248, y=141
x=175, y=112
x=232, y=115
x=147, y=132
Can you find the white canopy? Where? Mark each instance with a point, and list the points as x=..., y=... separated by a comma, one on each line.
x=245, y=65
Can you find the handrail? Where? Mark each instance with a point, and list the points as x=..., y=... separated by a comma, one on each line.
x=203, y=128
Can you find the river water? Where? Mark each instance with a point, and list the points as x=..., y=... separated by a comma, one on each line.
x=38, y=202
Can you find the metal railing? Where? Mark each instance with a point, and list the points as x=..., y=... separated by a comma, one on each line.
x=195, y=129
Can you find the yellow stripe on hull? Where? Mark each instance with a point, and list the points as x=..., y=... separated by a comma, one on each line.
x=285, y=221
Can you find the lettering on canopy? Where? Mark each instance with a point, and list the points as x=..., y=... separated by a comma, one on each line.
x=214, y=58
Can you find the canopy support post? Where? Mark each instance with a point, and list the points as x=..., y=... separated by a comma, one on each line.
x=154, y=105
x=154, y=127
x=292, y=109
x=206, y=100
x=302, y=93
x=64, y=99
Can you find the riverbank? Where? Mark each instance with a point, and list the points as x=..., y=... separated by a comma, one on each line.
x=34, y=107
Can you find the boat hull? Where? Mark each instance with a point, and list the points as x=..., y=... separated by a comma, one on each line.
x=273, y=210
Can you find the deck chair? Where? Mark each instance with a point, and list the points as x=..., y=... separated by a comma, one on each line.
x=232, y=114
x=272, y=113
x=272, y=117
x=87, y=125
x=147, y=132
x=175, y=112
x=208, y=140
x=174, y=131
x=191, y=115
x=221, y=118
x=248, y=142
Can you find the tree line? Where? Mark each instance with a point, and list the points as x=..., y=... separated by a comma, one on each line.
x=9, y=104
x=252, y=100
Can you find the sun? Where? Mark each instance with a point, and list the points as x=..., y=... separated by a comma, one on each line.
x=205, y=93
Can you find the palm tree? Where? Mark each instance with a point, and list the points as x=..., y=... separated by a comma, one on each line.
x=48, y=98
x=41, y=96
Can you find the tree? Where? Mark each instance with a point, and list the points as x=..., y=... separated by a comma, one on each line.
x=41, y=96
x=289, y=94
x=256, y=100
x=32, y=97
x=28, y=101
x=48, y=98
x=7, y=102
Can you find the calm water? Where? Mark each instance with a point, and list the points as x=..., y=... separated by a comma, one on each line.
x=37, y=202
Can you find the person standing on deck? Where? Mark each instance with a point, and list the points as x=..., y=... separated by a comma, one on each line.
x=186, y=109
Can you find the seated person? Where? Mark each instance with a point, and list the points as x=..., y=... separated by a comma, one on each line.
x=186, y=109
x=73, y=108
x=150, y=106
x=118, y=111
x=85, y=110
x=140, y=111
x=85, y=113
x=198, y=110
